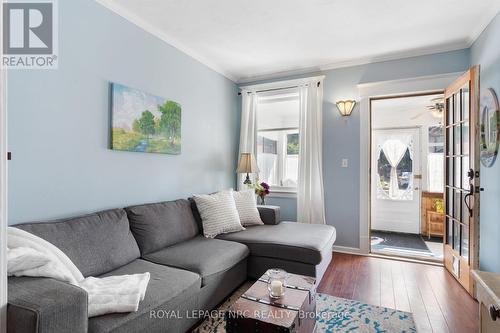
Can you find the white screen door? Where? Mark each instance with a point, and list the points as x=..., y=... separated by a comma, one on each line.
x=395, y=180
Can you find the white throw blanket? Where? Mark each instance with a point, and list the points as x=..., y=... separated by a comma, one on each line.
x=29, y=255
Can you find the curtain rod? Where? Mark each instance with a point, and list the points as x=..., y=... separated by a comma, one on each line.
x=274, y=89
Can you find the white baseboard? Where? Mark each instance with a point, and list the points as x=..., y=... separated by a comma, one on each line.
x=346, y=249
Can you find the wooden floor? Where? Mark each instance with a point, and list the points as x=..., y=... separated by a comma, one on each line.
x=438, y=303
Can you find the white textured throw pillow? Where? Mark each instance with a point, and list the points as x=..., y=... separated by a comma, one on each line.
x=247, y=208
x=218, y=213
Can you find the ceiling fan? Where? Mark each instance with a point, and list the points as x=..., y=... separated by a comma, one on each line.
x=436, y=108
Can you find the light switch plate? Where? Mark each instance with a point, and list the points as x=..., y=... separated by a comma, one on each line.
x=345, y=162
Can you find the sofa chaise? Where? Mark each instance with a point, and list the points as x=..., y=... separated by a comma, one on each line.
x=189, y=272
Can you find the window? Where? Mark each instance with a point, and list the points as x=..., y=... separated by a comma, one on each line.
x=278, y=139
x=404, y=172
x=435, y=171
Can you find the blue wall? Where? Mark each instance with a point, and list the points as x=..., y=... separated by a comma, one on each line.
x=486, y=52
x=341, y=135
x=59, y=121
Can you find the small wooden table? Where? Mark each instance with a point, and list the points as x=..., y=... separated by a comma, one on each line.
x=435, y=223
x=255, y=311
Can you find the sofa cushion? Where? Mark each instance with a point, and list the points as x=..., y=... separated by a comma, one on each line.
x=96, y=243
x=162, y=224
x=167, y=288
x=204, y=256
x=288, y=240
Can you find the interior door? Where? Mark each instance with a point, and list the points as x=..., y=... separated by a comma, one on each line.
x=462, y=177
x=395, y=195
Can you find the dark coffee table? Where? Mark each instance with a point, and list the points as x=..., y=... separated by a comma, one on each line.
x=255, y=311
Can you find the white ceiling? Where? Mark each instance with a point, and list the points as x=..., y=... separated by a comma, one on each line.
x=247, y=40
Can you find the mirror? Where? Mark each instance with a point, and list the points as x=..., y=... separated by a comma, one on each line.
x=489, y=127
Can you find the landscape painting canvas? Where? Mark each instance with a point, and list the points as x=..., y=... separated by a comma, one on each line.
x=142, y=122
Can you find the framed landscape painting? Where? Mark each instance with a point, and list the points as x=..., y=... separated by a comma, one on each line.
x=142, y=122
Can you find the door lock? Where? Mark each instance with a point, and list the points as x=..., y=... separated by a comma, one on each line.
x=471, y=174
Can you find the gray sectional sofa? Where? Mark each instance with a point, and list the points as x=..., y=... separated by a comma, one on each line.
x=188, y=272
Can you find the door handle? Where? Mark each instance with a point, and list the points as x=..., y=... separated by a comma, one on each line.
x=494, y=313
x=471, y=192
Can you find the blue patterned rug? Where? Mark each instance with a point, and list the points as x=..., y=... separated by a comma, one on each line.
x=333, y=315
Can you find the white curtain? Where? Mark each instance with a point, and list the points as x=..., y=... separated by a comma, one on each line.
x=394, y=151
x=248, y=131
x=310, y=197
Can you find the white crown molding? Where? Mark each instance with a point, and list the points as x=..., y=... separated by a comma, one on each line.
x=464, y=44
x=141, y=23
x=358, y=62
x=398, y=55
x=481, y=25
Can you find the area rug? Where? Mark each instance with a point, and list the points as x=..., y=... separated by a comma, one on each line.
x=333, y=315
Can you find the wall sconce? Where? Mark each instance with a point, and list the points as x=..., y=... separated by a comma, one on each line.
x=346, y=107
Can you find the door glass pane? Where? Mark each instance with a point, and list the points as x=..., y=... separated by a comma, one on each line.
x=465, y=138
x=457, y=107
x=449, y=233
x=457, y=199
x=465, y=170
x=449, y=200
x=398, y=186
x=464, y=251
x=458, y=139
x=449, y=110
x=456, y=236
x=405, y=172
x=449, y=141
x=465, y=210
x=457, y=172
x=465, y=102
x=449, y=162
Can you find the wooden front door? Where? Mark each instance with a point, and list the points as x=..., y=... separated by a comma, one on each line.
x=462, y=186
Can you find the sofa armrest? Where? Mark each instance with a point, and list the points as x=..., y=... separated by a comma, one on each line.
x=44, y=305
x=269, y=214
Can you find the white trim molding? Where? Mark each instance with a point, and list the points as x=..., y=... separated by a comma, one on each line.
x=346, y=249
x=3, y=191
x=368, y=91
x=142, y=23
x=146, y=26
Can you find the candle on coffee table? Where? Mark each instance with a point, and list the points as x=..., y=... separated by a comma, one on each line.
x=276, y=288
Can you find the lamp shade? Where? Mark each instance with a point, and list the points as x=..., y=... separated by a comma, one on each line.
x=247, y=164
x=346, y=107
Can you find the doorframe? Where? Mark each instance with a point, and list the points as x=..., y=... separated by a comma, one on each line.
x=385, y=89
x=3, y=189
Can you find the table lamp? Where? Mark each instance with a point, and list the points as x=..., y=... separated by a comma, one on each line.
x=247, y=164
